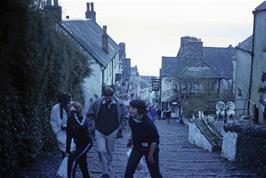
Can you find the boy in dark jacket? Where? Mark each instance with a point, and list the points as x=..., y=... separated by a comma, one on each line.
x=78, y=129
x=145, y=140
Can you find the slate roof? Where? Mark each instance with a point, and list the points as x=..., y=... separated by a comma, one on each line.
x=126, y=68
x=262, y=6
x=220, y=60
x=246, y=45
x=89, y=35
x=171, y=66
x=198, y=72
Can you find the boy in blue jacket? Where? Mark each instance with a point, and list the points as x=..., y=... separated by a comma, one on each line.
x=145, y=140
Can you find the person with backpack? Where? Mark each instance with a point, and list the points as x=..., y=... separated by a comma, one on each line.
x=77, y=129
x=58, y=121
x=145, y=140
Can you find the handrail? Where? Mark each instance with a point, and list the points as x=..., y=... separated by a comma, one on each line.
x=211, y=128
x=202, y=132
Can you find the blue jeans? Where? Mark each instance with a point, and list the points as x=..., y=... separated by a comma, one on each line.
x=134, y=159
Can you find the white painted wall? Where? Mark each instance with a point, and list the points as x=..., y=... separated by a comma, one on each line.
x=259, y=60
x=242, y=80
x=92, y=85
x=195, y=137
x=108, y=74
x=112, y=68
x=117, y=66
x=229, y=145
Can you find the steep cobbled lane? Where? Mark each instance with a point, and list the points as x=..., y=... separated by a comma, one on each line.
x=178, y=159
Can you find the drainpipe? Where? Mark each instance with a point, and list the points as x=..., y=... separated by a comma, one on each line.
x=219, y=86
x=252, y=58
x=103, y=77
x=113, y=71
x=161, y=107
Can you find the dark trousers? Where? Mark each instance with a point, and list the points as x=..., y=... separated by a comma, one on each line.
x=134, y=159
x=79, y=156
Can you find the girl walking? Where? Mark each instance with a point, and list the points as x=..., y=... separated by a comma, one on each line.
x=78, y=129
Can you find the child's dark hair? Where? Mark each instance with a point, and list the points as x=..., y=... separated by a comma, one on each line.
x=140, y=105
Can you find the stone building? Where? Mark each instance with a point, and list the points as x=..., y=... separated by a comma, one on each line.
x=102, y=51
x=250, y=66
x=258, y=65
x=126, y=64
x=210, y=68
x=242, y=76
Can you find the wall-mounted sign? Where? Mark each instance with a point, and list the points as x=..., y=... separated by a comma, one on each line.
x=155, y=83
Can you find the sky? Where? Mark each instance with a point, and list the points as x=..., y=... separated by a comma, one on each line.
x=153, y=28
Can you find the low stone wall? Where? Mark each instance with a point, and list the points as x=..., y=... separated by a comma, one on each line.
x=218, y=126
x=229, y=145
x=196, y=137
x=250, y=147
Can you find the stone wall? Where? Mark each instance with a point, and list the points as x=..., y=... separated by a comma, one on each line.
x=196, y=137
x=229, y=145
x=251, y=152
x=250, y=146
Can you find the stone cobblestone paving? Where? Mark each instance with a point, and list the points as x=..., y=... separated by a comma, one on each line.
x=178, y=159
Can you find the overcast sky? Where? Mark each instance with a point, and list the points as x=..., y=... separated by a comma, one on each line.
x=152, y=28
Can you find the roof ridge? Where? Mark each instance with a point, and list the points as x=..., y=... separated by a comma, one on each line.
x=88, y=35
x=205, y=47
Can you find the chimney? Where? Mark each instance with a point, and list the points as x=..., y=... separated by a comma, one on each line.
x=87, y=13
x=49, y=3
x=122, y=50
x=56, y=3
x=93, y=13
x=53, y=12
x=105, y=39
x=92, y=7
x=190, y=47
x=90, y=13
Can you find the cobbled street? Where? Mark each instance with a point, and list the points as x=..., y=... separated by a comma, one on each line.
x=178, y=159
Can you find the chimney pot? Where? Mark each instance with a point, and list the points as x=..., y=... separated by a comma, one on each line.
x=53, y=12
x=104, y=29
x=55, y=2
x=90, y=13
x=92, y=7
x=105, y=39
